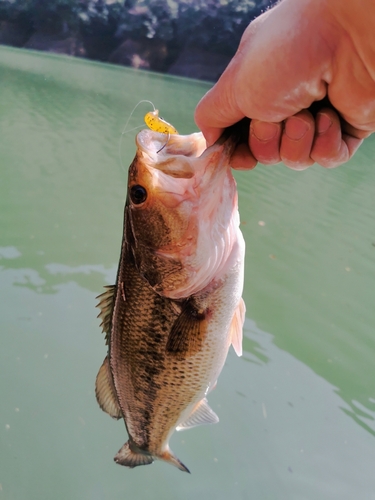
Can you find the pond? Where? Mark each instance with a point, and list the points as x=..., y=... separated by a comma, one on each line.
x=296, y=411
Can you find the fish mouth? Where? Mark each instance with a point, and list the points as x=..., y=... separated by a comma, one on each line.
x=163, y=145
x=185, y=156
x=162, y=150
x=174, y=155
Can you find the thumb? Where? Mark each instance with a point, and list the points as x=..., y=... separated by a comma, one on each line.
x=218, y=108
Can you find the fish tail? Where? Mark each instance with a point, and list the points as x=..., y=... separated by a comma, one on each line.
x=169, y=457
x=131, y=456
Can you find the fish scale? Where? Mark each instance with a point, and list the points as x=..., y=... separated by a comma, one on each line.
x=166, y=348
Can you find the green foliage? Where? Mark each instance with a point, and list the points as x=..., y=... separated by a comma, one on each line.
x=100, y=17
x=41, y=13
x=149, y=19
x=202, y=21
x=58, y=14
x=16, y=12
x=214, y=25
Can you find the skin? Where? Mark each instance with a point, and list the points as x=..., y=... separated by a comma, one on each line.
x=299, y=52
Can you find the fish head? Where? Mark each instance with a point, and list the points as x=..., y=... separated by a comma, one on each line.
x=181, y=211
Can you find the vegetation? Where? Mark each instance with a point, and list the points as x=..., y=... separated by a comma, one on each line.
x=215, y=25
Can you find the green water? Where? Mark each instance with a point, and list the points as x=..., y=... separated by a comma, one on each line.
x=296, y=411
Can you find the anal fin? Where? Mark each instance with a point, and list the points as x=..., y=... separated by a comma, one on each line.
x=202, y=414
x=236, y=327
x=105, y=391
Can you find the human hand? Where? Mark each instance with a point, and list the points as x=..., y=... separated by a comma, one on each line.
x=295, y=54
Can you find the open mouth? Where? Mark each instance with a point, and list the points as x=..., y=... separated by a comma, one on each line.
x=165, y=145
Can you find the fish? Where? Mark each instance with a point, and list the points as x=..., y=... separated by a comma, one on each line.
x=176, y=306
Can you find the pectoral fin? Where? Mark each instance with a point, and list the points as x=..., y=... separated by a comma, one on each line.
x=105, y=391
x=188, y=330
x=201, y=414
x=236, y=327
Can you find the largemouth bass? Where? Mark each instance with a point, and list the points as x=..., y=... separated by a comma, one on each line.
x=176, y=306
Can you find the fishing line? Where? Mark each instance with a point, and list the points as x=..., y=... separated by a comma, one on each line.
x=125, y=131
x=153, y=121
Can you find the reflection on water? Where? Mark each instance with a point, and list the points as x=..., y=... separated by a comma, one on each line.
x=9, y=253
x=278, y=419
x=311, y=269
x=47, y=279
x=296, y=411
x=362, y=415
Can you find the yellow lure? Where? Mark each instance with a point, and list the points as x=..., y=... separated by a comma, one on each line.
x=157, y=124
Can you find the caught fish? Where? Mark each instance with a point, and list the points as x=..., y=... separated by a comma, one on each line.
x=176, y=306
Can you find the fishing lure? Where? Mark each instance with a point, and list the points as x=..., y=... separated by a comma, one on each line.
x=157, y=124
x=153, y=121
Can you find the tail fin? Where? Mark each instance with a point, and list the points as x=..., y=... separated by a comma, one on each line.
x=131, y=456
x=169, y=457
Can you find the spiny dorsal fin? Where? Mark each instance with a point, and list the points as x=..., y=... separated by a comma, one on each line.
x=201, y=414
x=105, y=391
x=105, y=304
x=236, y=327
x=186, y=334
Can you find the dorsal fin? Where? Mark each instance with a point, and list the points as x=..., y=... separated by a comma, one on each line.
x=201, y=414
x=105, y=304
x=105, y=391
x=236, y=327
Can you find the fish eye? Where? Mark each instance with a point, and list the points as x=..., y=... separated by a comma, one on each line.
x=138, y=194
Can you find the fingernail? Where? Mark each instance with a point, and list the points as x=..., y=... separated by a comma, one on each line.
x=295, y=128
x=323, y=122
x=264, y=131
x=211, y=137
